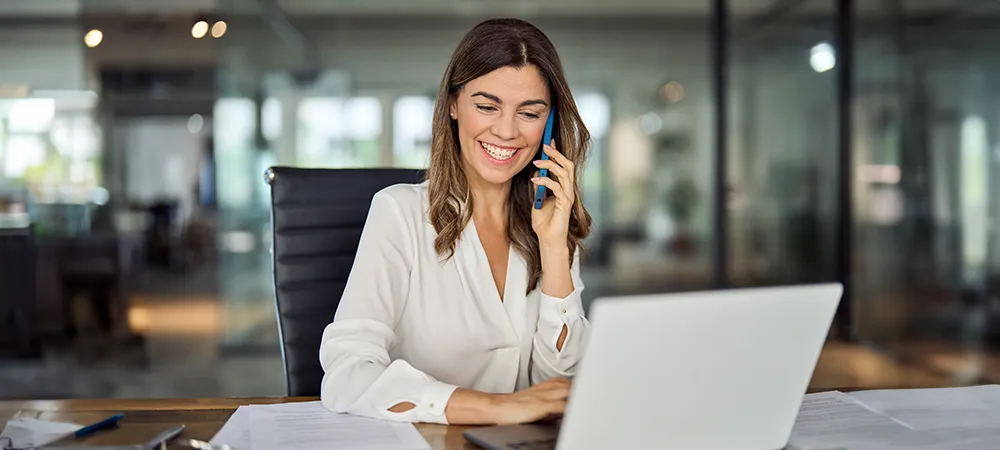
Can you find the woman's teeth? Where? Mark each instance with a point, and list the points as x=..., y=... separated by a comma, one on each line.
x=500, y=153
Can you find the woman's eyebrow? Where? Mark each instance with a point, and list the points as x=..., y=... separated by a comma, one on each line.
x=497, y=99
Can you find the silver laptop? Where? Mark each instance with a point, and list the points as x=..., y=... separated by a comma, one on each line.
x=708, y=370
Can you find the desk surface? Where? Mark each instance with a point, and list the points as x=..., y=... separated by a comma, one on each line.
x=202, y=418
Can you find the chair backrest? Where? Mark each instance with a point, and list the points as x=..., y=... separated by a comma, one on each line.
x=317, y=216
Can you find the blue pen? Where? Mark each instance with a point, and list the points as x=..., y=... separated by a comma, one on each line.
x=106, y=423
x=546, y=140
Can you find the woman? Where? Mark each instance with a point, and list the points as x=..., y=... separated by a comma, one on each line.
x=463, y=305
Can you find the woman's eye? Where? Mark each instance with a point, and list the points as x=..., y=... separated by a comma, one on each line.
x=486, y=108
x=531, y=115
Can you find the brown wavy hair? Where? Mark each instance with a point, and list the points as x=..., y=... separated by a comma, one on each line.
x=489, y=46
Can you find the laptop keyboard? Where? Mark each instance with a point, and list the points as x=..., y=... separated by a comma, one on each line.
x=533, y=444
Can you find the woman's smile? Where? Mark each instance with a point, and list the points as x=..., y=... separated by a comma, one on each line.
x=498, y=154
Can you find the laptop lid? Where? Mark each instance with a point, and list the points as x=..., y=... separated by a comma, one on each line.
x=706, y=370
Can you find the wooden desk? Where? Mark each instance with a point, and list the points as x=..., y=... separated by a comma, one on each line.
x=201, y=417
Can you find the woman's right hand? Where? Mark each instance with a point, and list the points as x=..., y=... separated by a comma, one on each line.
x=545, y=400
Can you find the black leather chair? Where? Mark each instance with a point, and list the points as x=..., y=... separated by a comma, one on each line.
x=317, y=216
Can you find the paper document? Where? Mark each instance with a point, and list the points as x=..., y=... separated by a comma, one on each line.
x=896, y=420
x=236, y=432
x=834, y=420
x=25, y=432
x=938, y=409
x=310, y=426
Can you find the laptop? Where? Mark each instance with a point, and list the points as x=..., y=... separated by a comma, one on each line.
x=707, y=370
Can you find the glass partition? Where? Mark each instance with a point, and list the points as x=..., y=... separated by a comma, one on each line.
x=925, y=186
x=783, y=143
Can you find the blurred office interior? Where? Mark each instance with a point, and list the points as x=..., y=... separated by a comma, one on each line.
x=735, y=143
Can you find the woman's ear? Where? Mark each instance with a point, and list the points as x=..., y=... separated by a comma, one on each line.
x=453, y=110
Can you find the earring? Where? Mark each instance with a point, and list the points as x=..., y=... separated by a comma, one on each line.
x=452, y=115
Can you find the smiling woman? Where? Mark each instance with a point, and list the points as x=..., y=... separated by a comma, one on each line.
x=488, y=124
x=421, y=334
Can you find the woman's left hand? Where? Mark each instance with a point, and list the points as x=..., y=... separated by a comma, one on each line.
x=551, y=223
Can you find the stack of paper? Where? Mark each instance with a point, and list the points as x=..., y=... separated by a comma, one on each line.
x=949, y=419
x=310, y=426
x=835, y=420
x=928, y=409
x=25, y=432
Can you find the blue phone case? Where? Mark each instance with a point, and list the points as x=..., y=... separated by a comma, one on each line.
x=546, y=139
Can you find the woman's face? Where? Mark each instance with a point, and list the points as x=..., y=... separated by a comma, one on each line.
x=501, y=118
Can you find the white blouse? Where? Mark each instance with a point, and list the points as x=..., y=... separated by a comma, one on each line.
x=412, y=327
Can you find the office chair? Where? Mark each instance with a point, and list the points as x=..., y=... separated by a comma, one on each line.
x=92, y=265
x=317, y=216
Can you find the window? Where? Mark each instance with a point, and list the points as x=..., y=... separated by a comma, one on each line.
x=24, y=151
x=411, y=131
x=336, y=132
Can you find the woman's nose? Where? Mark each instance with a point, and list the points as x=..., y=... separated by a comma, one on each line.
x=505, y=128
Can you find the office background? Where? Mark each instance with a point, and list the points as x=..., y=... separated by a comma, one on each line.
x=736, y=143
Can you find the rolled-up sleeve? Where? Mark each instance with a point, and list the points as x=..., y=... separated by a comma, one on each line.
x=555, y=313
x=359, y=376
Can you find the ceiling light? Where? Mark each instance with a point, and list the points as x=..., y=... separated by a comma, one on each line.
x=671, y=92
x=199, y=29
x=822, y=57
x=93, y=38
x=219, y=29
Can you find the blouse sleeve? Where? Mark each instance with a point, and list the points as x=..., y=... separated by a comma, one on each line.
x=553, y=314
x=359, y=376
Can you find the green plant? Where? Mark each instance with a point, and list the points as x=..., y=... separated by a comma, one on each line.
x=682, y=198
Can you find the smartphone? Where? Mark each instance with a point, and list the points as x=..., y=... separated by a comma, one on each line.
x=546, y=139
